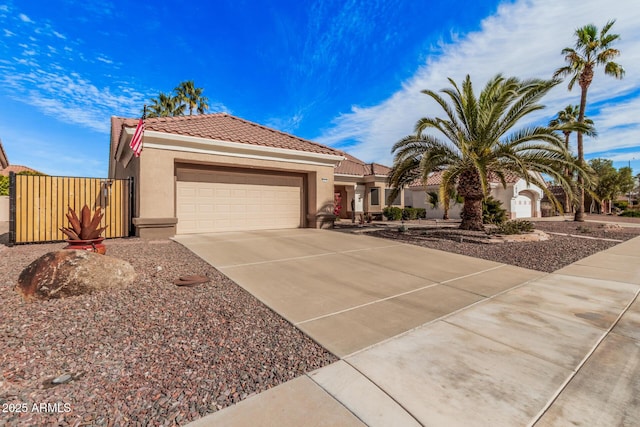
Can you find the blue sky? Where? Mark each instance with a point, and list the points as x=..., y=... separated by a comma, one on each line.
x=343, y=73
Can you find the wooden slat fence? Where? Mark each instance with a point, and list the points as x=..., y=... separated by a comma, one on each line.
x=38, y=205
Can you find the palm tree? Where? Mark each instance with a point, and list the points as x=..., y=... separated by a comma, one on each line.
x=592, y=49
x=479, y=143
x=191, y=96
x=165, y=105
x=569, y=116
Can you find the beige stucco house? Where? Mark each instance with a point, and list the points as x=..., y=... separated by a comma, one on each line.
x=363, y=183
x=217, y=172
x=521, y=200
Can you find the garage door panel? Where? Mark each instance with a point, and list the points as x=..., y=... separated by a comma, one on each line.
x=523, y=206
x=239, y=203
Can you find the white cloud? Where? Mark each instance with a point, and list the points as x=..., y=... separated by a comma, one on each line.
x=24, y=18
x=58, y=35
x=522, y=39
x=105, y=60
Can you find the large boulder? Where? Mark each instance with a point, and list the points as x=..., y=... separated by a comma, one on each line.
x=67, y=273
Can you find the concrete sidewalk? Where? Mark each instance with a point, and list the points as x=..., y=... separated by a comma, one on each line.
x=431, y=338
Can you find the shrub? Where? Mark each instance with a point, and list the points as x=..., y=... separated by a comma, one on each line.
x=409, y=213
x=421, y=213
x=621, y=204
x=492, y=211
x=582, y=229
x=630, y=213
x=517, y=226
x=392, y=213
x=4, y=185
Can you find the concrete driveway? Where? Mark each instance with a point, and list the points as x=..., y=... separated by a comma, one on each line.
x=350, y=291
x=432, y=338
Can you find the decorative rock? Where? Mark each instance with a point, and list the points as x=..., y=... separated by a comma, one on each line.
x=68, y=273
x=611, y=226
x=62, y=379
x=190, y=280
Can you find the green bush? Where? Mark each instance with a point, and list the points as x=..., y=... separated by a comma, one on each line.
x=421, y=213
x=4, y=185
x=630, y=213
x=392, y=213
x=492, y=211
x=517, y=226
x=621, y=204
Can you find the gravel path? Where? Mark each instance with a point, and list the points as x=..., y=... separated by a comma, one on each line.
x=547, y=256
x=155, y=354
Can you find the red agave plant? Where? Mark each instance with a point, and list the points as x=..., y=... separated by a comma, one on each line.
x=84, y=232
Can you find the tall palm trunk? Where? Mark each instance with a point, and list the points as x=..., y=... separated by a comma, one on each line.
x=585, y=80
x=568, y=173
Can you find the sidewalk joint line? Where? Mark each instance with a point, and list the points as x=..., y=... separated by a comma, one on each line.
x=304, y=257
x=443, y=317
x=580, y=365
x=375, y=385
x=397, y=295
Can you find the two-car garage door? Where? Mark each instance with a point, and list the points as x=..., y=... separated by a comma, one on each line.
x=214, y=201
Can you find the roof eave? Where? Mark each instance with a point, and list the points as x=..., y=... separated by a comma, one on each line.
x=175, y=142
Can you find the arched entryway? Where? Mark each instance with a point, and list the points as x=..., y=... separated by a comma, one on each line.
x=525, y=205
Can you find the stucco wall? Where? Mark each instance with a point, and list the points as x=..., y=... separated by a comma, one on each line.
x=420, y=199
x=4, y=208
x=156, y=185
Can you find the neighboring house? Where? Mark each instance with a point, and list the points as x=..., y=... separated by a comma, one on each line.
x=521, y=200
x=217, y=172
x=6, y=168
x=17, y=169
x=363, y=183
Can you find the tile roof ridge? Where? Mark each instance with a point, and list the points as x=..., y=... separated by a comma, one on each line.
x=276, y=131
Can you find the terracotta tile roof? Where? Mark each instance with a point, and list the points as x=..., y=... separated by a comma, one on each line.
x=223, y=127
x=17, y=169
x=356, y=167
x=435, y=178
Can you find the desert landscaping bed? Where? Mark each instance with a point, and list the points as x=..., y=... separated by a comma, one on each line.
x=153, y=354
x=158, y=354
x=568, y=242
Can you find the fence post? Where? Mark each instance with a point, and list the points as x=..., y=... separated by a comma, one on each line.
x=12, y=208
x=132, y=199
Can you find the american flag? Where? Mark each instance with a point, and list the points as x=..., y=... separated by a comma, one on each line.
x=136, y=141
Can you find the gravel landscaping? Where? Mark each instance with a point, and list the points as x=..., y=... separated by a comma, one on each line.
x=155, y=354
x=572, y=242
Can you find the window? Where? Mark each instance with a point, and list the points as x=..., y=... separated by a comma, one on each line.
x=374, y=196
x=396, y=201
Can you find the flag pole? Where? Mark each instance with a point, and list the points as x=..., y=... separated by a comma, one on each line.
x=136, y=140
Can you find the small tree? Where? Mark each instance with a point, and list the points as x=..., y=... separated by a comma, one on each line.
x=609, y=182
x=4, y=185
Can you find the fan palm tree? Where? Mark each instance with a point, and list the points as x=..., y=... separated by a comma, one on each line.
x=165, y=105
x=591, y=50
x=569, y=116
x=192, y=97
x=475, y=141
